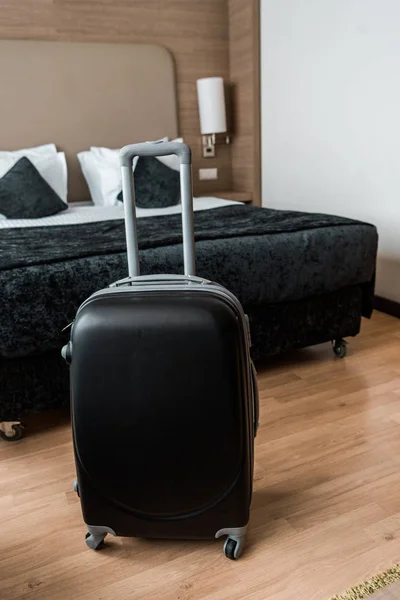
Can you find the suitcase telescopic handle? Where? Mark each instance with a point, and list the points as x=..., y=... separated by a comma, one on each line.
x=158, y=148
x=127, y=154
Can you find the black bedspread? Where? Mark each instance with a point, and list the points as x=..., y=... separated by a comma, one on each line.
x=43, y=245
x=262, y=255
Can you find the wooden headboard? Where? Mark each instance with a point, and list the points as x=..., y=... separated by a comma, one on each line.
x=78, y=95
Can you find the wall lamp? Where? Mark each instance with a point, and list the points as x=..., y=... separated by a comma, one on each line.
x=211, y=99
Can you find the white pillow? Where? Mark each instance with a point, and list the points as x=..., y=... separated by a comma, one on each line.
x=103, y=177
x=45, y=150
x=54, y=170
x=52, y=167
x=102, y=171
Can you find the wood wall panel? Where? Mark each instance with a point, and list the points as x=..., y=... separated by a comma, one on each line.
x=196, y=32
x=244, y=67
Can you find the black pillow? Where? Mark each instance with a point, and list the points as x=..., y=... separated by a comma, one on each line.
x=156, y=185
x=24, y=194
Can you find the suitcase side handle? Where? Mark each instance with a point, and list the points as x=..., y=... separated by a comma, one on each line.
x=127, y=154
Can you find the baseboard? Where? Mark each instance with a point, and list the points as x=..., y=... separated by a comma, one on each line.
x=389, y=307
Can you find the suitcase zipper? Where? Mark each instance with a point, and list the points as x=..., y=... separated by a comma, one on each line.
x=205, y=286
x=170, y=286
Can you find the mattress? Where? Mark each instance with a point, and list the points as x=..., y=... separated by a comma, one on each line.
x=263, y=256
x=85, y=212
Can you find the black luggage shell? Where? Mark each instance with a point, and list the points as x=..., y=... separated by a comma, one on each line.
x=161, y=439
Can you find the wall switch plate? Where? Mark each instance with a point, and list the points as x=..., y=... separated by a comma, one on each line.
x=207, y=174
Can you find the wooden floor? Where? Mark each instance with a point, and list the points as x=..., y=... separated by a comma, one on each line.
x=326, y=508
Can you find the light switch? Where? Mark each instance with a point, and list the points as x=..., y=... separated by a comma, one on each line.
x=207, y=174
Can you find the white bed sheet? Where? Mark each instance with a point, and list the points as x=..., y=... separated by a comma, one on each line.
x=87, y=213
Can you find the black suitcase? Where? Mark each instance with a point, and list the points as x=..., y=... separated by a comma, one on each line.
x=164, y=397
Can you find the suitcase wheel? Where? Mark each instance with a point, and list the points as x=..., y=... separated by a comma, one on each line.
x=339, y=348
x=11, y=433
x=233, y=548
x=95, y=542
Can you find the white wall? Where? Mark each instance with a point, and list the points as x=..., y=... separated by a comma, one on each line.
x=330, y=76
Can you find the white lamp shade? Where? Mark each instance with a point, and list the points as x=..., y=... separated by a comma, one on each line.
x=211, y=97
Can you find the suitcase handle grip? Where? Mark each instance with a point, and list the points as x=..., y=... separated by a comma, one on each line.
x=127, y=154
x=159, y=148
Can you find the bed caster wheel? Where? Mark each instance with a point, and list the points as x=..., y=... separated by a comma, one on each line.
x=233, y=548
x=95, y=542
x=75, y=487
x=339, y=348
x=13, y=433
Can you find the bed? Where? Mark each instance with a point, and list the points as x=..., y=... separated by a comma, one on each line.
x=302, y=278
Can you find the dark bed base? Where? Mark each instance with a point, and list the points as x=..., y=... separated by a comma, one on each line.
x=276, y=328
x=35, y=383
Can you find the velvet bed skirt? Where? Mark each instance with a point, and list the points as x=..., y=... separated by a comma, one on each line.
x=35, y=383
